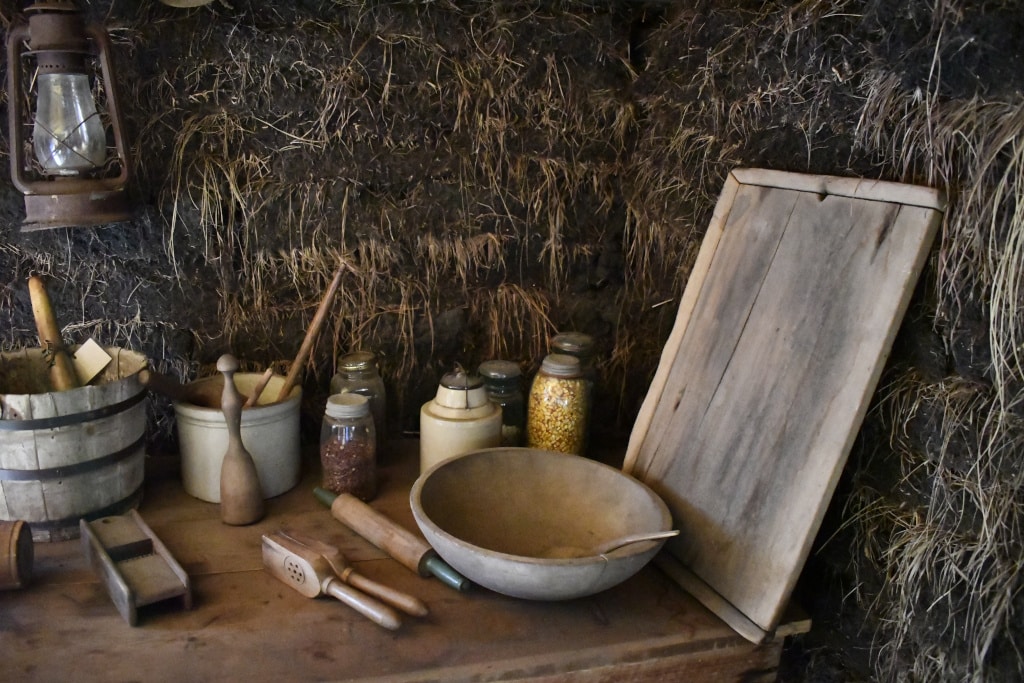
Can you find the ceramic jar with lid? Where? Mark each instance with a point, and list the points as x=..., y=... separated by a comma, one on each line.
x=348, y=446
x=558, y=408
x=503, y=381
x=460, y=418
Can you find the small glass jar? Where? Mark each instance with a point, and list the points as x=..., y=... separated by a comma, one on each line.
x=503, y=380
x=558, y=409
x=348, y=446
x=358, y=374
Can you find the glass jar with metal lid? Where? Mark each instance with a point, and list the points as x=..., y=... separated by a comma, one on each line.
x=358, y=374
x=503, y=381
x=579, y=345
x=558, y=408
x=348, y=446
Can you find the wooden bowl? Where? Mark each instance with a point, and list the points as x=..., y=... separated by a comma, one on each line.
x=502, y=516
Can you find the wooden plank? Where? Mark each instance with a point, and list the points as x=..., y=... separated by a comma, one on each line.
x=775, y=366
x=855, y=188
x=705, y=256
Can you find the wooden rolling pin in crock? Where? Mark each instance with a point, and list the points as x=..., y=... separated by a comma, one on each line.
x=402, y=545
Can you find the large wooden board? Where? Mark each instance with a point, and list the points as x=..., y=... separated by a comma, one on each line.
x=781, y=335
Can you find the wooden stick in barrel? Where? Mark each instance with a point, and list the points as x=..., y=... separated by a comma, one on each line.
x=62, y=371
x=311, y=334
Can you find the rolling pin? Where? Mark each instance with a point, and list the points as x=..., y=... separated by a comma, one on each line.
x=405, y=547
x=62, y=371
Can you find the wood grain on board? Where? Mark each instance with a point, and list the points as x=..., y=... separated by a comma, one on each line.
x=783, y=332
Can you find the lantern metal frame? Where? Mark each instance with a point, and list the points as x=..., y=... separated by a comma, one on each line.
x=56, y=31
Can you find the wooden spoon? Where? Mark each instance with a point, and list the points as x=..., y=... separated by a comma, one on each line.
x=564, y=552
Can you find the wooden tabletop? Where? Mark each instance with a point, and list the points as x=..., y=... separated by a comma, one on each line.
x=245, y=624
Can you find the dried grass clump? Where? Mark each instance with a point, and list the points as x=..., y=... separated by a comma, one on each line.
x=970, y=145
x=944, y=536
x=473, y=160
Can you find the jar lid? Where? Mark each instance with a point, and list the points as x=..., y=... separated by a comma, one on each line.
x=499, y=369
x=561, y=365
x=357, y=360
x=462, y=391
x=572, y=342
x=458, y=379
x=347, y=405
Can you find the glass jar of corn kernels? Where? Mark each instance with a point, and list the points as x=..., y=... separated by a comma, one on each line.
x=558, y=408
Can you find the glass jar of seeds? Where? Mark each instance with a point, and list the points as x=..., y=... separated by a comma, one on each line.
x=581, y=346
x=503, y=380
x=348, y=446
x=558, y=408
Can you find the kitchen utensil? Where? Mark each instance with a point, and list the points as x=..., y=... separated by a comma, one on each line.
x=348, y=574
x=135, y=566
x=241, y=497
x=16, y=554
x=492, y=514
x=314, y=329
x=257, y=390
x=566, y=551
x=399, y=543
x=62, y=371
x=308, y=573
x=166, y=385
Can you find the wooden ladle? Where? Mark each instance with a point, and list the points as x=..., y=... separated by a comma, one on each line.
x=241, y=496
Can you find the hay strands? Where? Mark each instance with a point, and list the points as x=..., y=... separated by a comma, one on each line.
x=311, y=335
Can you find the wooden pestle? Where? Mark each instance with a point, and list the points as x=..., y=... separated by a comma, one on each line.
x=62, y=371
x=241, y=497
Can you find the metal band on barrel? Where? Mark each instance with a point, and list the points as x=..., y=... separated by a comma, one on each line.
x=73, y=418
x=75, y=468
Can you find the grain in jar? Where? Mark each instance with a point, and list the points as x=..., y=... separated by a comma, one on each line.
x=348, y=446
x=558, y=408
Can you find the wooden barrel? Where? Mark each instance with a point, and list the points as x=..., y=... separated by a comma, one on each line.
x=74, y=454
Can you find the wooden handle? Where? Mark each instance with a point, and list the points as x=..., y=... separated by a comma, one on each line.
x=375, y=611
x=62, y=371
x=241, y=496
x=311, y=334
x=257, y=390
x=166, y=385
x=397, y=542
x=387, y=594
